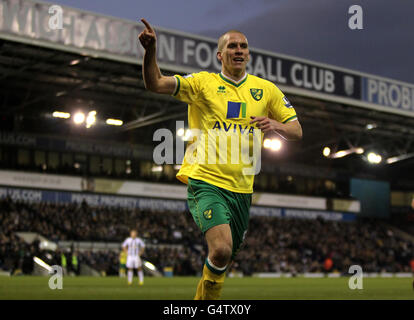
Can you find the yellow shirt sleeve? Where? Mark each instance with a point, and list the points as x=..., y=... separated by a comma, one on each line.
x=280, y=108
x=188, y=87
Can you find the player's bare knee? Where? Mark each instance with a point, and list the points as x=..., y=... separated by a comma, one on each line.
x=221, y=255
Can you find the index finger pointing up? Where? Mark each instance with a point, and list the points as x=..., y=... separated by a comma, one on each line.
x=147, y=25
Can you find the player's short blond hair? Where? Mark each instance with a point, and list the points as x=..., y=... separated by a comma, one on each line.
x=222, y=41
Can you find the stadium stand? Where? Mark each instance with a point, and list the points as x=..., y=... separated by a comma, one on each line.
x=266, y=182
x=44, y=73
x=272, y=244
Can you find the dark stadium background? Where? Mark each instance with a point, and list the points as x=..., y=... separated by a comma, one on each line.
x=36, y=80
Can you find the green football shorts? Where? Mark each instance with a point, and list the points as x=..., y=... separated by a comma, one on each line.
x=211, y=206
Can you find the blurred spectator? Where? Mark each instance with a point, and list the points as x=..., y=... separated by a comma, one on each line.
x=271, y=245
x=328, y=264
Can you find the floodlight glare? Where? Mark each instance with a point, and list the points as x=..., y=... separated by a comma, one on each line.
x=114, y=122
x=341, y=154
x=359, y=150
x=43, y=264
x=276, y=144
x=267, y=143
x=326, y=151
x=180, y=132
x=400, y=158
x=273, y=144
x=62, y=115
x=91, y=119
x=156, y=169
x=374, y=158
x=79, y=118
x=149, y=265
x=74, y=62
x=187, y=135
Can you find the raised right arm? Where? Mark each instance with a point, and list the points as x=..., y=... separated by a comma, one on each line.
x=153, y=78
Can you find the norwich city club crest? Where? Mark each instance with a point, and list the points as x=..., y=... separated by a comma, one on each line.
x=207, y=214
x=257, y=94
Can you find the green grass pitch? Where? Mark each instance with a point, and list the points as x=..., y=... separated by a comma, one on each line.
x=177, y=288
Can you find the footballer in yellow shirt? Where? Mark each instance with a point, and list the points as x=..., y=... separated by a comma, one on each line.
x=234, y=103
x=216, y=102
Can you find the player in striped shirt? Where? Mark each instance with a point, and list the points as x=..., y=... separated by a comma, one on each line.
x=134, y=248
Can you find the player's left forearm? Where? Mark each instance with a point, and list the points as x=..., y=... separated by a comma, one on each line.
x=290, y=131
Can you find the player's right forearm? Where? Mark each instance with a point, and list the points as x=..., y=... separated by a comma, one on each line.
x=150, y=70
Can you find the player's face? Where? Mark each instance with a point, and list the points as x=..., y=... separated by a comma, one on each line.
x=133, y=234
x=235, y=53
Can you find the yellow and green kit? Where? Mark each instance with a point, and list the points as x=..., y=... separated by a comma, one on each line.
x=221, y=192
x=217, y=103
x=211, y=206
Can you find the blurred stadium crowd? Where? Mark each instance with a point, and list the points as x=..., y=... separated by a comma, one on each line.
x=272, y=244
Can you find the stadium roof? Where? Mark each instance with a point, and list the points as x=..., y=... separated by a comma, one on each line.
x=93, y=63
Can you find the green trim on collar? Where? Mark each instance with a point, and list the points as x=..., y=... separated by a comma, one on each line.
x=233, y=83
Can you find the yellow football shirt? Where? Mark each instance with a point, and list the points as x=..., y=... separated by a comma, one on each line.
x=122, y=257
x=217, y=104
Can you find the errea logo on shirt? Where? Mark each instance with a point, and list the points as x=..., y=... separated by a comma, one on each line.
x=221, y=89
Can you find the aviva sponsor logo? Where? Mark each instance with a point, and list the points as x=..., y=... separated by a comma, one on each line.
x=234, y=127
x=236, y=110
